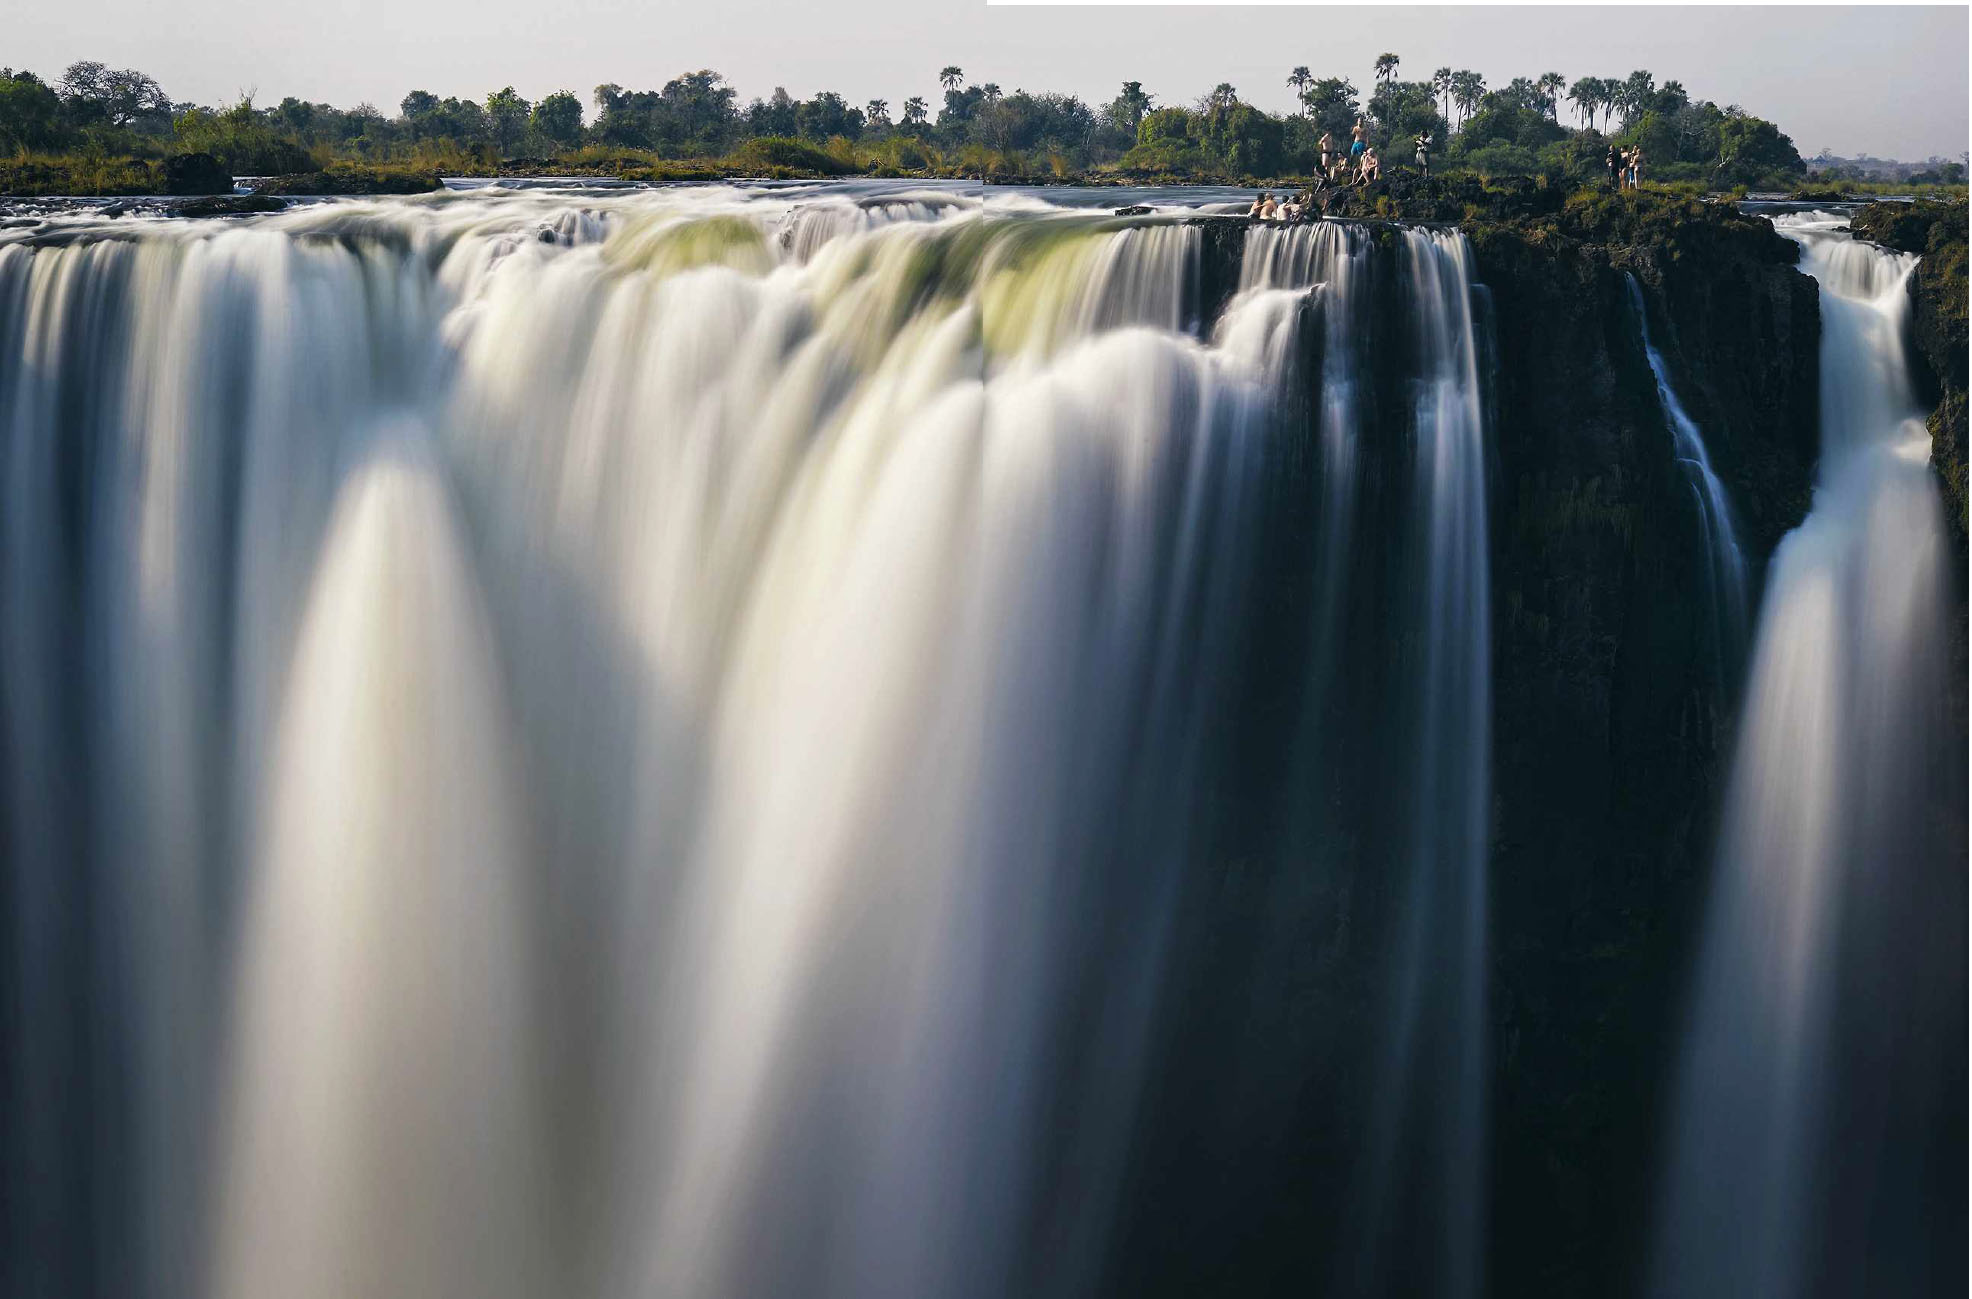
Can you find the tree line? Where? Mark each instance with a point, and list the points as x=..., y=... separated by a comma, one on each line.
x=971, y=128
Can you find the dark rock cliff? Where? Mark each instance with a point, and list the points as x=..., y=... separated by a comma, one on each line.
x=1613, y=719
x=1612, y=728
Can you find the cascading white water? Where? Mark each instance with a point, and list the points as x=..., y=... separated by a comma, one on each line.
x=1435, y=1094
x=649, y=743
x=1332, y=259
x=1820, y=838
x=1725, y=568
x=383, y=1134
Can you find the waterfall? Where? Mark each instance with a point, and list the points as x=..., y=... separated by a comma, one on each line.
x=1800, y=1161
x=1725, y=563
x=1422, y=1206
x=668, y=742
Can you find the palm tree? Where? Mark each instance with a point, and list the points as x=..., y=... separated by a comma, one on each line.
x=1585, y=94
x=878, y=111
x=1441, y=90
x=914, y=111
x=991, y=90
x=951, y=78
x=1634, y=95
x=1386, y=67
x=1468, y=88
x=1298, y=81
x=1223, y=96
x=1550, y=85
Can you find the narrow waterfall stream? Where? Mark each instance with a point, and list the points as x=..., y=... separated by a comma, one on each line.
x=1799, y=1163
x=1725, y=567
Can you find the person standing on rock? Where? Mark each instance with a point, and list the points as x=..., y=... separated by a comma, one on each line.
x=1423, y=143
x=1615, y=164
x=1327, y=147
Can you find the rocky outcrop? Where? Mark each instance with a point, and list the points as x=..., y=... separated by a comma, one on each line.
x=343, y=180
x=196, y=173
x=227, y=205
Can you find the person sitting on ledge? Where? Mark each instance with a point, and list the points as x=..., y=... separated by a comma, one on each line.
x=1259, y=201
x=1268, y=209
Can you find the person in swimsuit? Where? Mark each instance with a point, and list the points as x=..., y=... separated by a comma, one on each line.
x=1267, y=209
x=1327, y=147
x=1636, y=167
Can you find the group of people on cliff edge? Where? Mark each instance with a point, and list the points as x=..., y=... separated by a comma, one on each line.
x=1625, y=166
x=1358, y=165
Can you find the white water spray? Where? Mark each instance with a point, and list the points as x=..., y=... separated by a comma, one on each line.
x=1825, y=808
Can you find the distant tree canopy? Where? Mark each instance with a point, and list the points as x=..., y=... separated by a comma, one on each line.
x=972, y=126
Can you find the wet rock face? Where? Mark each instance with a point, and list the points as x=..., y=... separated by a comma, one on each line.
x=1613, y=727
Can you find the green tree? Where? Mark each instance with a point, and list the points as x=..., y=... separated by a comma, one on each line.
x=30, y=112
x=1468, y=88
x=1441, y=88
x=1128, y=108
x=1585, y=94
x=1331, y=107
x=877, y=111
x=1550, y=86
x=1634, y=95
x=915, y=111
x=1386, y=67
x=951, y=77
x=123, y=98
x=506, y=114
x=1299, y=80
x=558, y=119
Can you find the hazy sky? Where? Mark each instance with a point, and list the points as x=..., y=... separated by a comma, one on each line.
x=1881, y=80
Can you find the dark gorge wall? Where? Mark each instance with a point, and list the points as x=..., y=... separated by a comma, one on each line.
x=1612, y=730
x=1614, y=721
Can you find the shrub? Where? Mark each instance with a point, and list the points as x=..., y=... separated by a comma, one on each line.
x=769, y=153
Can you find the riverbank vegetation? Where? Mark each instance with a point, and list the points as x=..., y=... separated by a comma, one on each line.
x=95, y=130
